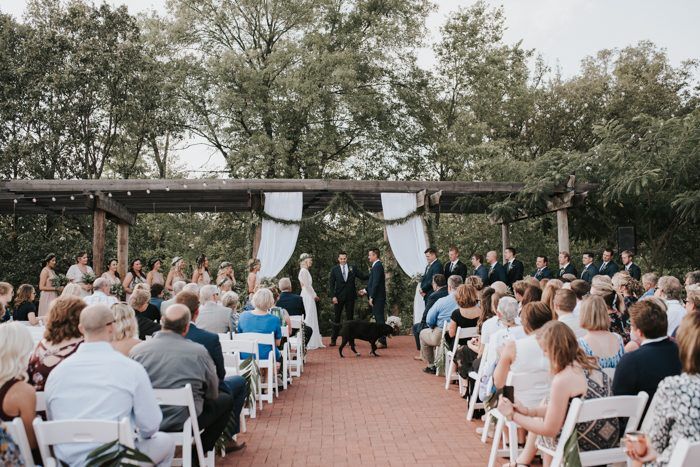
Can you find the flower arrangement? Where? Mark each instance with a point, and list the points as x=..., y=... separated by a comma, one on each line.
x=59, y=281
x=88, y=278
x=117, y=289
x=267, y=282
x=417, y=278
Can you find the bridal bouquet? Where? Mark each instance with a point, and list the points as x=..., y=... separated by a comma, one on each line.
x=88, y=278
x=59, y=280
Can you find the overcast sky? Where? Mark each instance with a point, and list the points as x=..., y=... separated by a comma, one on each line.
x=562, y=31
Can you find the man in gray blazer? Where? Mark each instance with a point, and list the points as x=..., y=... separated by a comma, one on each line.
x=212, y=316
x=177, y=288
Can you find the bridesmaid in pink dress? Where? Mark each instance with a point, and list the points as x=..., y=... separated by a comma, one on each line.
x=49, y=293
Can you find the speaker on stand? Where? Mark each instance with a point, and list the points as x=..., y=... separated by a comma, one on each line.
x=626, y=239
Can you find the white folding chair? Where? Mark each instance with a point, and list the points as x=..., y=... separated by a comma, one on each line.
x=16, y=430
x=236, y=347
x=474, y=403
x=580, y=411
x=79, y=431
x=40, y=401
x=462, y=333
x=685, y=454
x=296, y=347
x=269, y=387
x=224, y=336
x=182, y=397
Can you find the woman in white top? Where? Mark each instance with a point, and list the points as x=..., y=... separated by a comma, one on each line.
x=176, y=273
x=310, y=299
x=201, y=276
x=78, y=270
x=111, y=273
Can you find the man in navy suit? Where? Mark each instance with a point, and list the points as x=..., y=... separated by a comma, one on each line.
x=542, y=271
x=439, y=291
x=565, y=266
x=497, y=273
x=233, y=385
x=342, y=290
x=608, y=266
x=376, y=289
x=434, y=267
x=455, y=267
x=514, y=267
x=294, y=305
x=479, y=269
x=590, y=269
x=628, y=261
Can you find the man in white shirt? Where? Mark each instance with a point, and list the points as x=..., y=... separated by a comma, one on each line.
x=669, y=290
x=564, y=304
x=100, y=293
x=99, y=383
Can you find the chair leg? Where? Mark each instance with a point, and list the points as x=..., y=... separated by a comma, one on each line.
x=448, y=374
x=473, y=398
x=513, y=441
x=487, y=425
x=496, y=441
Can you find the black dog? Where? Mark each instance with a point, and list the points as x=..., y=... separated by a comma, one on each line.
x=365, y=331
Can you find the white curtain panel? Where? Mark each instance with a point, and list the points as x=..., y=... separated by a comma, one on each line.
x=277, y=241
x=407, y=240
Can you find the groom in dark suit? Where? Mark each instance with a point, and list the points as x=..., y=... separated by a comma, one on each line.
x=343, y=292
x=434, y=267
x=608, y=266
x=515, y=269
x=454, y=267
x=376, y=289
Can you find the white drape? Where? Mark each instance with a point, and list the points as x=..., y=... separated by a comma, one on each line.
x=407, y=240
x=277, y=241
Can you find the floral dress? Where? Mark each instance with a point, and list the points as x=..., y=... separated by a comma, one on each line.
x=43, y=361
x=604, y=362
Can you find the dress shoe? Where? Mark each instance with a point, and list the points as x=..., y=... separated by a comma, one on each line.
x=233, y=446
x=429, y=369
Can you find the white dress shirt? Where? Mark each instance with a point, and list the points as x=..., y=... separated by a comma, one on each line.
x=99, y=297
x=97, y=382
x=676, y=311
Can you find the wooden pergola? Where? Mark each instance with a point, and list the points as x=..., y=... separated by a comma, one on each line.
x=121, y=200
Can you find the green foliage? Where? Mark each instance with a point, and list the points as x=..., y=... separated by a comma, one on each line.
x=115, y=454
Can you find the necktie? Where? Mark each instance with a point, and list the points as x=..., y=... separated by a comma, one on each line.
x=602, y=267
x=345, y=273
x=510, y=264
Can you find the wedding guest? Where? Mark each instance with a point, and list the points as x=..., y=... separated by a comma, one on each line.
x=145, y=314
x=581, y=288
x=548, y=293
x=48, y=291
x=519, y=288
x=201, y=276
x=157, y=292
x=692, y=302
x=440, y=313
x=224, y=285
x=17, y=396
x=500, y=287
x=126, y=328
x=598, y=342
x=574, y=375
x=25, y=309
x=77, y=272
x=101, y=293
x=479, y=269
x=693, y=277
x=628, y=287
x=253, y=280
x=72, y=290
x=466, y=315
x=628, y=262
x=231, y=301
x=61, y=339
x=134, y=276
x=564, y=304
x=259, y=320
x=454, y=265
x=176, y=274
x=154, y=276
x=112, y=273
x=226, y=273
x=6, y=294
x=211, y=316
x=439, y=291
x=192, y=288
x=98, y=383
x=433, y=267
x=565, y=266
x=280, y=312
x=532, y=294
x=177, y=288
x=649, y=281
x=294, y=305
x=669, y=290
x=619, y=317
x=476, y=282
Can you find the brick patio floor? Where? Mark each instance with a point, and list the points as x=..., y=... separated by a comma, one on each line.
x=363, y=411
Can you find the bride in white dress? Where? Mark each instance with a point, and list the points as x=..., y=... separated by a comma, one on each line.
x=310, y=299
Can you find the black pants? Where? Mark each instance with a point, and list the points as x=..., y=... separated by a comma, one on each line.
x=349, y=307
x=213, y=419
x=378, y=313
x=307, y=333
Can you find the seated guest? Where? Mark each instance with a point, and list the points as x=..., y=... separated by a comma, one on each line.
x=192, y=288
x=25, y=309
x=126, y=328
x=439, y=314
x=669, y=290
x=475, y=281
x=17, y=396
x=173, y=361
x=598, y=341
x=466, y=315
x=548, y=293
x=157, y=293
x=6, y=293
x=656, y=358
x=259, y=320
x=674, y=415
x=574, y=374
x=72, y=290
x=581, y=288
x=61, y=339
x=177, y=288
x=231, y=301
x=649, y=281
x=235, y=386
x=291, y=302
x=500, y=288
x=525, y=355
x=280, y=312
x=564, y=304
x=139, y=302
x=439, y=291
x=533, y=293
x=519, y=288
x=692, y=302
x=693, y=277
x=617, y=312
x=100, y=294
x=628, y=287
x=212, y=317
x=99, y=383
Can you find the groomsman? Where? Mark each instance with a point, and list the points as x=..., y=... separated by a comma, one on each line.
x=590, y=269
x=497, y=273
x=565, y=266
x=608, y=267
x=434, y=267
x=628, y=261
x=479, y=269
x=343, y=291
x=455, y=267
x=376, y=289
x=514, y=267
x=542, y=271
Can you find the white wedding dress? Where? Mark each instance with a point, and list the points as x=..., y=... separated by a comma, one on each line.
x=308, y=294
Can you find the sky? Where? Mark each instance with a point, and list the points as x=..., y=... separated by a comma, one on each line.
x=563, y=32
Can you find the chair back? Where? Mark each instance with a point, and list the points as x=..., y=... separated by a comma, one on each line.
x=685, y=454
x=40, y=401
x=16, y=430
x=182, y=397
x=285, y=331
x=238, y=345
x=526, y=381
x=224, y=336
x=259, y=337
x=297, y=321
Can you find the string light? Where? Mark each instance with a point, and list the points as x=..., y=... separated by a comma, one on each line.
x=53, y=198
x=148, y=191
x=128, y=193
x=15, y=201
x=167, y=188
x=223, y=182
x=72, y=198
x=204, y=184
x=33, y=200
x=92, y=196
x=184, y=186
x=109, y=194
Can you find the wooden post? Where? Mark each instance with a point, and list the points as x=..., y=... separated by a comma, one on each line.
x=563, y=229
x=505, y=239
x=123, y=248
x=256, y=239
x=388, y=259
x=98, y=241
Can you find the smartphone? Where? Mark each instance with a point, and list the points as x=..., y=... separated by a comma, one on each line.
x=509, y=393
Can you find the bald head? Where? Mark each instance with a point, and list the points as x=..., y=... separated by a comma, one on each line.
x=95, y=321
x=176, y=319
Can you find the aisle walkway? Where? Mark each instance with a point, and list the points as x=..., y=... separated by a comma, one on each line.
x=369, y=411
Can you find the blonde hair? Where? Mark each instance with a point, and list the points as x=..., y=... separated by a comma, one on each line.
x=605, y=289
x=263, y=299
x=550, y=290
x=143, y=286
x=688, y=338
x=72, y=290
x=594, y=314
x=252, y=263
x=125, y=324
x=5, y=288
x=17, y=346
x=139, y=298
x=670, y=286
x=693, y=291
x=623, y=279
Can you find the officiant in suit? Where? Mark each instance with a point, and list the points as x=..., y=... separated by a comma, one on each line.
x=434, y=267
x=455, y=267
x=376, y=289
x=343, y=291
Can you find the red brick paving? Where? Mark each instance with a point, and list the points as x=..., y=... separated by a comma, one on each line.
x=369, y=411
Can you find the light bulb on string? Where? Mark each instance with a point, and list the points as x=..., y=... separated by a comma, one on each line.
x=33, y=200
x=128, y=193
x=15, y=201
x=53, y=198
x=148, y=191
x=72, y=198
x=92, y=196
x=167, y=188
x=109, y=194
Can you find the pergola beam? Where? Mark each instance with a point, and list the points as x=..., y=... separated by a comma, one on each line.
x=113, y=209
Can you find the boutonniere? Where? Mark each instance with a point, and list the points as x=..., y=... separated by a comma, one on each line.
x=350, y=268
